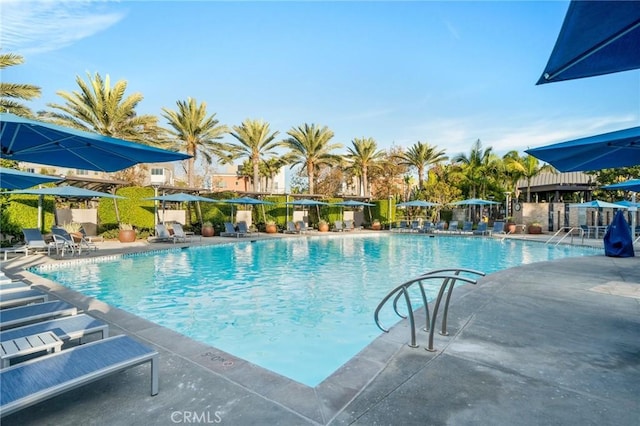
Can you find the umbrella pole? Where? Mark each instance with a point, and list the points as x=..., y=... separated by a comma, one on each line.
x=115, y=206
x=40, y=221
x=199, y=212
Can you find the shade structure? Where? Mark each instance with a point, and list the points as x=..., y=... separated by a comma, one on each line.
x=475, y=202
x=248, y=201
x=17, y=179
x=620, y=148
x=67, y=192
x=307, y=202
x=417, y=203
x=353, y=203
x=39, y=142
x=630, y=185
x=598, y=204
x=596, y=38
x=181, y=197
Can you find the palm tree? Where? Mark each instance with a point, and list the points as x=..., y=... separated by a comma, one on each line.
x=254, y=141
x=477, y=167
x=103, y=109
x=269, y=168
x=420, y=156
x=9, y=92
x=363, y=156
x=197, y=132
x=526, y=167
x=310, y=147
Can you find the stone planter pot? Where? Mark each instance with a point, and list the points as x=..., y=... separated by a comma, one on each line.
x=510, y=228
x=271, y=228
x=323, y=227
x=127, y=235
x=534, y=229
x=207, y=231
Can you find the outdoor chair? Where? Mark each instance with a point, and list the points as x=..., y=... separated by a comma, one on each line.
x=15, y=317
x=467, y=228
x=34, y=241
x=481, y=229
x=338, y=226
x=74, y=327
x=19, y=298
x=179, y=233
x=230, y=231
x=291, y=228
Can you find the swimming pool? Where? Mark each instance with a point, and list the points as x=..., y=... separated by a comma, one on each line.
x=300, y=307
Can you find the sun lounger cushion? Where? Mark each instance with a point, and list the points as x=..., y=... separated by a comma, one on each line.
x=14, y=317
x=66, y=328
x=36, y=380
x=17, y=298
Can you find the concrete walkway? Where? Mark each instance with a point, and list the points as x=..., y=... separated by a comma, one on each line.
x=548, y=343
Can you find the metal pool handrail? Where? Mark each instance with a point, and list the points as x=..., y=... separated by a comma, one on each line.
x=449, y=276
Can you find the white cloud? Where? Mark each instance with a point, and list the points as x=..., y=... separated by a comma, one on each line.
x=41, y=26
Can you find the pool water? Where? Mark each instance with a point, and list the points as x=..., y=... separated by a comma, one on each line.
x=300, y=307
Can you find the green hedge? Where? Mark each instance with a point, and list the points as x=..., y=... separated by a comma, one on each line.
x=21, y=211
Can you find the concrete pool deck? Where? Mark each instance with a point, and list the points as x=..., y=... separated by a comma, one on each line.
x=548, y=343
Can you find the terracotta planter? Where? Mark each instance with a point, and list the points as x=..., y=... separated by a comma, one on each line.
x=323, y=227
x=376, y=226
x=127, y=235
x=207, y=231
x=534, y=229
x=510, y=228
x=271, y=228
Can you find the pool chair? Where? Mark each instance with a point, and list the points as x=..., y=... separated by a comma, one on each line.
x=338, y=226
x=19, y=298
x=179, y=233
x=90, y=238
x=162, y=234
x=467, y=228
x=349, y=225
x=230, y=231
x=22, y=315
x=243, y=229
x=63, y=241
x=302, y=227
x=440, y=226
x=427, y=227
x=453, y=227
x=14, y=286
x=34, y=241
x=481, y=229
x=498, y=228
x=291, y=228
x=39, y=379
x=74, y=327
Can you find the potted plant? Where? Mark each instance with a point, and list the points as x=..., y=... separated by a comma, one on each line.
x=323, y=226
x=376, y=226
x=207, y=229
x=74, y=230
x=270, y=227
x=126, y=234
x=534, y=228
x=510, y=226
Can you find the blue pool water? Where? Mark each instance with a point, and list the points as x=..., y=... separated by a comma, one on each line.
x=301, y=307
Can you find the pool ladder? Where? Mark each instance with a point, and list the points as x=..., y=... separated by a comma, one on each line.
x=449, y=277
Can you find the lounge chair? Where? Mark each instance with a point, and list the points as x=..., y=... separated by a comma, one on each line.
x=36, y=380
x=440, y=226
x=349, y=225
x=63, y=241
x=162, y=234
x=68, y=328
x=467, y=228
x=180, y=235
x=498, y=228
x=19, y=298
x=303, y=228
x=481, y=229
x=415, y=226
x=338, y=226
x=453, y=227
x=586, y=231
x=15, y=317
x=34, y=241
x=291, y=228
x=427, y=227
x=243, y=228
x=230, y=231
x=16, y=249
x=12, y=287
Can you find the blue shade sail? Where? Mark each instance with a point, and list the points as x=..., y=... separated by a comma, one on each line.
x=605, y=151
x=630, y=185
x=181, y=197
x=67, y=192
x=39, y=142
x=596, y=38
x=17, y=179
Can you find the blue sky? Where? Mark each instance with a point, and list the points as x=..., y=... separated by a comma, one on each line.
x=445, y=73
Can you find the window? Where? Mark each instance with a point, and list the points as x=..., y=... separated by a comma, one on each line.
x=80, y=172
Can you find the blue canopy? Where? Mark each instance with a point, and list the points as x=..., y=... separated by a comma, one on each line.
x=181, y=197
x=417, y=203
x=307, y=202
x=630, y=185
x=353, y=203
x=598, y=204
x=597, y=37
x=39, y=142
x=66, y=192
x=16, y=179
x=608, y=150
x=245, y=200
x=474, y=202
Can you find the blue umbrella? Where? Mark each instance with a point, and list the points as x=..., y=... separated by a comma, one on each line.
x=608, y=150
x=247, y=201
x=353, y=203
x=417, y=203
x=33, y=141
x=181, y=197
x=16, y=179
x=630, y=185
x=597, y=37
x=474, y=202
x=66, y=192
x=307, y=202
